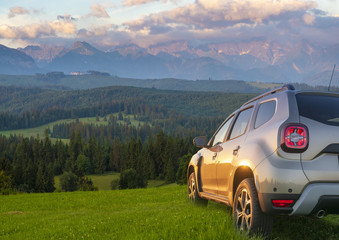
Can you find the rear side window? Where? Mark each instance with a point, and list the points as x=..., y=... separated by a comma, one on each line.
x=265, y=113
x=321, y=108
x=241, y=123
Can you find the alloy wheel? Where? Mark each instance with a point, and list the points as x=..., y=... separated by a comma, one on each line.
x=243, y=210
x=191, y=188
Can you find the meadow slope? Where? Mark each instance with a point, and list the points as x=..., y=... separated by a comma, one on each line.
x=156, y=213
x=153, y=213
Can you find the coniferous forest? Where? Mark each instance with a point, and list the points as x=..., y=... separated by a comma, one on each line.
x=158, y=146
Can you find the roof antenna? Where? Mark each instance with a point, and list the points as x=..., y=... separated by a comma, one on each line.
x=331, y=78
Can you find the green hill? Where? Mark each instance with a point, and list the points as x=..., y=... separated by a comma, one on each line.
x=155, y=213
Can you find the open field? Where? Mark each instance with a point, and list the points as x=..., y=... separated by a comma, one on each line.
x=39, y=131
x=153, y=213
x=103, y=181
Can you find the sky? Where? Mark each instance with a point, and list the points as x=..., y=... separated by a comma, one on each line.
x=106, y=24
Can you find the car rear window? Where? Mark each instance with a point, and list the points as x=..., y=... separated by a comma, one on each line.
x=321, y=108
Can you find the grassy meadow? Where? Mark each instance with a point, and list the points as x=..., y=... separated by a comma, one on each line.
x=39, y=131
x=152, y=213
x=103, y=181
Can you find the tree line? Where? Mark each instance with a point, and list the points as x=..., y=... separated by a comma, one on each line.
x=30, y=164
x=120, y=127
x=26, y=108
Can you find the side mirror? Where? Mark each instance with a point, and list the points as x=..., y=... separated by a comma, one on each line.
x=200, y=142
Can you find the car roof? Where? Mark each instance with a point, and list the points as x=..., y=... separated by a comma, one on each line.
x=277, y=90
x=289, y=87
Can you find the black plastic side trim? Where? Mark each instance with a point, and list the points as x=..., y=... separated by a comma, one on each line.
x=199, y=174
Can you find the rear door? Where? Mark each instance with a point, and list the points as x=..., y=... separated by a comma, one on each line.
x=319, y=112
x=230, y=149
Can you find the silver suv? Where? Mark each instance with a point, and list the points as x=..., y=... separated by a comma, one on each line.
x=277, y=154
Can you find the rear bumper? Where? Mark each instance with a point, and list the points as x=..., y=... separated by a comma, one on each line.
x=265, y=200
x=318, y=196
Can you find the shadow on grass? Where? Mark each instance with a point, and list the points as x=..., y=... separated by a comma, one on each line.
x=305, y=228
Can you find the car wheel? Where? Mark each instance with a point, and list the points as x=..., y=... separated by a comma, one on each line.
x=247, y=214
x=192, y=191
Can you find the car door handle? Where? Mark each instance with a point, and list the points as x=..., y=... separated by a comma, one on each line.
x=235, y=151
x=214, y=156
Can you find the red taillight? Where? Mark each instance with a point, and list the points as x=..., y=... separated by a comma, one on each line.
x=295, y=138
x=282, y=203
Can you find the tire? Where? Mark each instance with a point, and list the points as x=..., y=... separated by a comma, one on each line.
x=192, y=191
x=247, y=214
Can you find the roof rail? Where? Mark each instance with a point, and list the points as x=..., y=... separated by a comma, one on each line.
x=280, y=89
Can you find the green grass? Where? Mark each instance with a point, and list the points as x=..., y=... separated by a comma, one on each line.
x=290, y=228
x=39, y=131
x=152, y=213
x=155, y=183
x=103, y=181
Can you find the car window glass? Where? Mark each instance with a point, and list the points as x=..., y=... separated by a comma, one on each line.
x=220, y=136
x=321, y=108
x=265, y=113
x=241, y=123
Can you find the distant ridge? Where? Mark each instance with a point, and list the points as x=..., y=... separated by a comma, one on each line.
x=13, y=61
x=252, y=60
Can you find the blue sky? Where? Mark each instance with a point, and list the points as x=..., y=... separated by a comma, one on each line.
x=106, y=24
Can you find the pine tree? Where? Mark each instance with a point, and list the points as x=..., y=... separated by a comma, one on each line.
x=49, y=179
x=5, y=165
x=159, y=147
x=150, y=170
x=40, y=180
x=91, y=150
x=83, y=165
x=75, y=148
x=100, y=165
x=168, y=158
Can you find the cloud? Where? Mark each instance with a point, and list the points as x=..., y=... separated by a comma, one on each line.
x=309, y=19
x=96, y=31
x=204, y=21
x=140, y=2
x=218, y=14
x=66, y=17
x=33, y=31
x=99, y=11
x=284, y=21
x=137, y=2
x=17, y=11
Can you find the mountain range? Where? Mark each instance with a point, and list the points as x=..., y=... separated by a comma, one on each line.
x=254, y=60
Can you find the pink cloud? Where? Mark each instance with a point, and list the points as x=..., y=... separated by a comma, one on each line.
x=33, y=31
x=140, y=2
x=99, y=11
x=218, y=14
x=17, y=11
